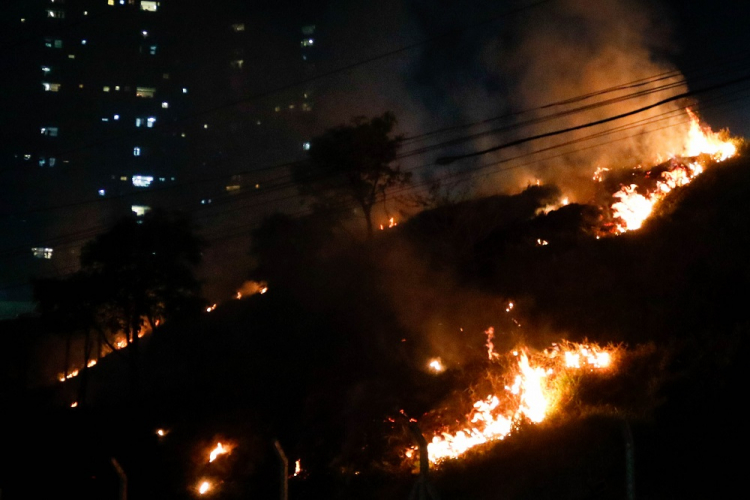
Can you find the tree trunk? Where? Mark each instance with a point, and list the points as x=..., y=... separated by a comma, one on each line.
x=367, y=209
x=85, y=369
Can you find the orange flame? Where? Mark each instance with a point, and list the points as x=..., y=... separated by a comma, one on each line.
x=204, y=487
x=217, y=451
x=436, y=365
x=633, y=208
x=533, y=396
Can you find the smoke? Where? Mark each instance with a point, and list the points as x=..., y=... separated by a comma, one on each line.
x=574, y=48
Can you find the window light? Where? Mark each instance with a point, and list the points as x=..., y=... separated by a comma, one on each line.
x=148, y=6
x=142, y=180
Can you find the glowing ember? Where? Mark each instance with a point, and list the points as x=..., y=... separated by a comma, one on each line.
x=599, y=173
x=161, y=432
x=211, y=307
x=74, y=404
x=391, y=223
x=533, y=395
x=218, y=450
x=204, y=487
x=92, y=362
x=436, y=365
x=540, y=242
x=490, y=332
x=297, y=467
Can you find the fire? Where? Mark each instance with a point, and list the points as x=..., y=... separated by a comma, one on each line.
x=217, y=451
x=533, y=396
x=634, y=206
x=436, y=365
x=391, y=223
x=702, y=140
x=297, y=467
x=250, y=287
x=204, y=487
x=211, y=308
x=490, y=332
x=161, y=432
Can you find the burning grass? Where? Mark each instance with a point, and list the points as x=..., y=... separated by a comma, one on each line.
x=523, y=386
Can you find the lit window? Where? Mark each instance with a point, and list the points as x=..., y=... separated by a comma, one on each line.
x=308, y=42
x=142, y=180
x=150, y=122
x=152, y=50
x=117, y=88
x=165, y=105
x=110, y=2
x=124, y=178
x=105, y=88
x=149, y=6
x=306, y=146
x=206, y=201
x=105, y=119
x=57, y=14
x=42, y=252
x=147, y=92
x=71, y=56
x=184, y=90
x=51, y=87
x=238, y=27
x=42, y=161
x=83, y=42
x=136, y=152
x=116, y=117
x=140, y=210
x=53, y=43
x=50, y=131
x=144, y=33
x=238, y=63
x=46, y=69
x=52, y=162
x=102, y=192
x=138, y=122
x=162, y=179
x=205, y=125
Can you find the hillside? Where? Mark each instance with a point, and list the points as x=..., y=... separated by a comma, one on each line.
x=340, y=344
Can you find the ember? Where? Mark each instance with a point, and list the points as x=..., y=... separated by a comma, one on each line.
x=217, y=451
x=436, y=365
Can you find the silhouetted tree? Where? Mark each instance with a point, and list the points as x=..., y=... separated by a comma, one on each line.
x=353, y=163
x=71, y=306
x=143, y=270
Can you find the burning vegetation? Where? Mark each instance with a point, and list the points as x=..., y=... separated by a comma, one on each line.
x=643, y=189
x=529, y=386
